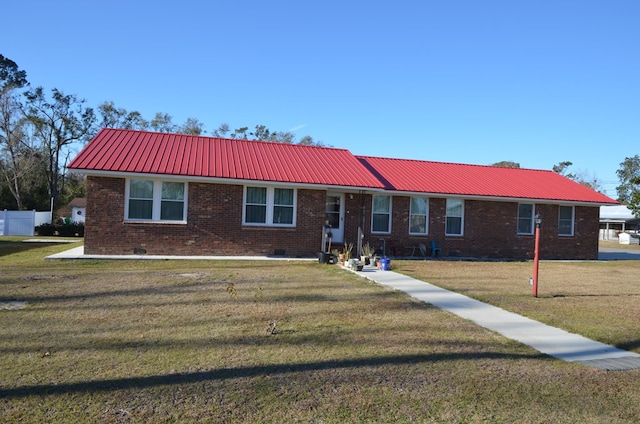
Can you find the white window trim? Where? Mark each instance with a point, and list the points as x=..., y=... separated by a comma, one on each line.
x=533, y=224
x=426, y=226
x=573, y=221
x=390, y=213
x=270, y=205
x=461, y=220
x=157, y=202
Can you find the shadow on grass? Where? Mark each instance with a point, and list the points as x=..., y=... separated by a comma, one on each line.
x=246, y=372
x=178, y=287
x=171, y=288
x=630, y=345
x=560, y=295
x=10, y=247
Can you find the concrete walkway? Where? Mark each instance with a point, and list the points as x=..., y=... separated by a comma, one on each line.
x=78, y=253
x=546, y=339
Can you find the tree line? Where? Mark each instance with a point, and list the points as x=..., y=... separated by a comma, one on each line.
x=39, y=131
x=629, y=175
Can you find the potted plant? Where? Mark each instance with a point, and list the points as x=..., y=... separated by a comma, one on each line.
x=336, y=255
x=367, y=253
x=348, y=247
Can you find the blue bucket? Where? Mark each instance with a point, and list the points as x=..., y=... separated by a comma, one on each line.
x=385, y=264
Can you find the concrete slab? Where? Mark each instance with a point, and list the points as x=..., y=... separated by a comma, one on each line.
x=78, y=253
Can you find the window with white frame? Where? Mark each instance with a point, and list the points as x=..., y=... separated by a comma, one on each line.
x=565, y=220
x=525, y=218
x=419, y=215
x=381, y=214
x=455, y=217
x=156, y=200
x=269, y=206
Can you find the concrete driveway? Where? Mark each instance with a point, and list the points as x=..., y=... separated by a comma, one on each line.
x=618, y=254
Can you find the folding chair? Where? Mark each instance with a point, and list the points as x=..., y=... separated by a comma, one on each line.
x=435, y=250
x=423, y=250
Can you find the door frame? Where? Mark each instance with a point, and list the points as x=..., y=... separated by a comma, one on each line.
x=338, y=234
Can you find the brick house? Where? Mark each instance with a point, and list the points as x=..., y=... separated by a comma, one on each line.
x=176, y=194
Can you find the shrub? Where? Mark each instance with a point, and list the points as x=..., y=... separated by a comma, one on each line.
x=63, y=230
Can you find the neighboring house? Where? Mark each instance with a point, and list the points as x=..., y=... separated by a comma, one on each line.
x=615, y=220
x=176, y=194
x=78, y=209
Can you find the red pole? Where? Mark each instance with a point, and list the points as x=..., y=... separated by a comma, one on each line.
x=536, y=258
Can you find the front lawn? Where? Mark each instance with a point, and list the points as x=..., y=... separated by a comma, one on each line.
x=275, y=342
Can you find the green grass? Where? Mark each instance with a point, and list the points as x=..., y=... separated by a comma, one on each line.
x=195, y=341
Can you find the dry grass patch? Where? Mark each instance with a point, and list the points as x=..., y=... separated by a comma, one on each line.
x=194, y=341
x=596, y=299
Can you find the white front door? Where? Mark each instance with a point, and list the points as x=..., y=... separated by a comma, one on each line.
x=335, y=215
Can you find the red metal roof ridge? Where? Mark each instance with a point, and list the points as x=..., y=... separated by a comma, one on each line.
x=252, y=160
x=165, y=134
x=445, y=175
x=365, y=157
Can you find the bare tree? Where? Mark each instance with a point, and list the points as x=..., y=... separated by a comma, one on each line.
x=114, y=117
x=221, y=131
x=57, y=124
x=506, y=164
x=581, y=176
x=192, y=126
x=13, y=163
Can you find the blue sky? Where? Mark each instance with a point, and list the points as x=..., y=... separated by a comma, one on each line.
x=534, y=82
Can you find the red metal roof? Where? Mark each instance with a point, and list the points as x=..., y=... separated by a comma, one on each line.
x=476, y=180
x=141, y=152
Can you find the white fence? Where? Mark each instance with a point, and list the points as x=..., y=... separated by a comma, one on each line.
x=608, y=234
x=22, y=223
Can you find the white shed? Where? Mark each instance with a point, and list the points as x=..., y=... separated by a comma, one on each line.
x=78, y=209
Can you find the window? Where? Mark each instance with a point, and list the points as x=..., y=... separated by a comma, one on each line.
x=419, y=215
x=283, y=206
x=140, y=199
x=455, y=217
x=525, y=218
x=565, y=221
x=155, y=200
x=381, y=219
x=269, y=206
x=256, y=205
x=172, y=202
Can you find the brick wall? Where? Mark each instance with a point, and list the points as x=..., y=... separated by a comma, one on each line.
x=214, y=225
x=490, y=230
